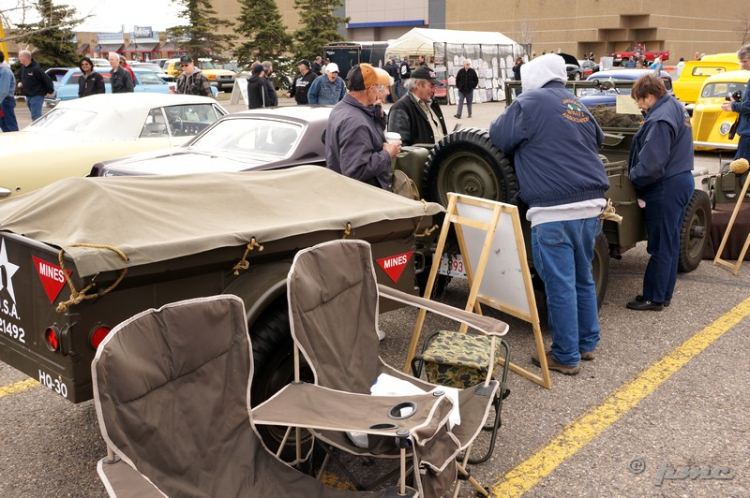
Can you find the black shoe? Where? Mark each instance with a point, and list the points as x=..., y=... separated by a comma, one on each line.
x=639, y=297
x=457, y=116
x=469, y=115
x=644, y=305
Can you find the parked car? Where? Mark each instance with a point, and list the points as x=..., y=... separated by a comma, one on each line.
x=588, y=67
x=688, y=86
x=222, y=79
x=710, y=122
x=639, y=49
x=592, y=97
x=76, y=134
x=258, y=139
x=575, y=72
x=67, y=87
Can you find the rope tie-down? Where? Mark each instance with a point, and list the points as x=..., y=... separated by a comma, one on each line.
x=244, y=264
x=77, y=296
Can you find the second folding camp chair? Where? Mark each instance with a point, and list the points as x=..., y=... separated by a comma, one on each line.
x=172, y=396
x=333, y=307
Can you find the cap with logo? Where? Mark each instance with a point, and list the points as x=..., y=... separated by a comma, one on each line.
x=332, y=68
x=185, y=59
x=304, y=62
x=424, y=73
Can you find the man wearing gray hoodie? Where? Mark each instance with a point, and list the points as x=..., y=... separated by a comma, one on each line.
x=564, y=189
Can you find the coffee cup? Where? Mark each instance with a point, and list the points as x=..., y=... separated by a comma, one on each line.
x=393, y=137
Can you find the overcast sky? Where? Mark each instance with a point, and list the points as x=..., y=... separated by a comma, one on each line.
x=111, y=15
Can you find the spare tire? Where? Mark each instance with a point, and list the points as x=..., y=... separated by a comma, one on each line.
x=467, y=162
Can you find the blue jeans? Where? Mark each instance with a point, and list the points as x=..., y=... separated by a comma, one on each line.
x=8, y=121
x=563, y=251
x=665, y=208
x=743, y=147
x=469, y=99
x=35, y=106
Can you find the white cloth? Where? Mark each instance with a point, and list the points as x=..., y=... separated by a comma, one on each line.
x=540, y=71
x=565, y=212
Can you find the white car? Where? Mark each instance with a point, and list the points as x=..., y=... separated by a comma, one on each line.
x=71, y=138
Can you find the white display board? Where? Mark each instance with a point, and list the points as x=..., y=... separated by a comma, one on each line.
x=239, y=89
x=503, y=280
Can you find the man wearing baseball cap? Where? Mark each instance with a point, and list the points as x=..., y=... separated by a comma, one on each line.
x=192, y=81
x=327, y=89
x=355, y=143
x=416, y=116
x=302, y=82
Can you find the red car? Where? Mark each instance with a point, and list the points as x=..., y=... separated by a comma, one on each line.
x=640, y=50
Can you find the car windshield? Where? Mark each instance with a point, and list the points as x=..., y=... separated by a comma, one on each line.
x=706, y=71
x=714, y=90
x=61, y=119
x=250, y=136
x=207, y=65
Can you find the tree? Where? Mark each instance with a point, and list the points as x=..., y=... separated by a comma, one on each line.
x=744, y=30
x=319, y=26
x=52, y=37
x=200, y=37
x=260, y=22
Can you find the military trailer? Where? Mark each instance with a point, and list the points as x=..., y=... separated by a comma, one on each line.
x=81, y=255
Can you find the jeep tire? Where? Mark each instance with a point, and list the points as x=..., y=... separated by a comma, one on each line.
x=696, y=228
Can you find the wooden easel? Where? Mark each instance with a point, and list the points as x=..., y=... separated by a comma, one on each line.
x=474, y=274
x=717, y=259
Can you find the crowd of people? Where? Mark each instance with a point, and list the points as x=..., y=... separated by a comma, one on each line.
x=561, y=190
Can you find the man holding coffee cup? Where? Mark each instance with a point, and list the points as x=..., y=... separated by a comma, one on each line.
x=355, y=144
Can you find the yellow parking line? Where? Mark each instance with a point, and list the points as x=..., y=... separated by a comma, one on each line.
x=592, y=423
x=17, y=387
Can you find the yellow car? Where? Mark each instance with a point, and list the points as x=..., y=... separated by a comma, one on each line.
x=222, y=79
x=76, y=134
x=694, y=74
x=710, y=123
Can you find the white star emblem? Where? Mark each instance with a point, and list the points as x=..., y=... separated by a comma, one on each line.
x=10, y=270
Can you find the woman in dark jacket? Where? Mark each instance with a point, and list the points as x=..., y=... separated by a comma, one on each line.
x=90, y=82
x=660, y=167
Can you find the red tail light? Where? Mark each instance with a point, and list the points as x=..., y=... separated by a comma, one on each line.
x=52, y=338
x=98, y=335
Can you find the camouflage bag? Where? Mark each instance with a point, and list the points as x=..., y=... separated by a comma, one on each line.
x=458, y=360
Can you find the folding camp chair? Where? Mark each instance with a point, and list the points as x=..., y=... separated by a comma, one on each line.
x=333, y=308
x=171, y=388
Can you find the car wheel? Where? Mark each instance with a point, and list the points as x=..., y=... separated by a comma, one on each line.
x=286, y=83
x=696, y=227
x=467, y=162
x=577, y=77
x=273, y=364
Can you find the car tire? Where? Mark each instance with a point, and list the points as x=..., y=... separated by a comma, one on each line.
x=577, y=77
x=696, y=228
x=467, y=162
x=273, y=366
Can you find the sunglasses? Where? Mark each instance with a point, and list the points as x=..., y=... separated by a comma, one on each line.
x=184, y=65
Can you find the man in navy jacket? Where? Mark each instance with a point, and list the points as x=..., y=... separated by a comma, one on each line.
x=555, y=142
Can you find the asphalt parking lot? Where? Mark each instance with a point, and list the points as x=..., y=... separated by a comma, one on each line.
x=662, y=411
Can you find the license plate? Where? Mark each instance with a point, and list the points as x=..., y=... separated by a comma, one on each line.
x=452, y=265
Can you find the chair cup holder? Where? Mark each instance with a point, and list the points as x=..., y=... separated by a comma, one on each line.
x=402, y=410
x=383, y=427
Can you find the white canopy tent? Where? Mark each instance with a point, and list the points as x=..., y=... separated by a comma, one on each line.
x=420, y=41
